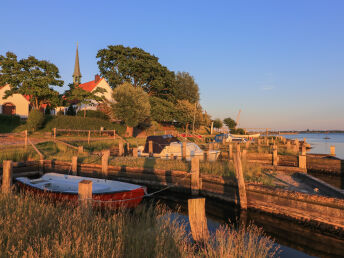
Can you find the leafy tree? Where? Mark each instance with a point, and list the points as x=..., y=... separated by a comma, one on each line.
x=162, y=110
x=237, y=131
x=185, y=88
x=184, y=112
x=229, y=122
x=132, y=104
x=218, y=123
x=119, y=64
x=35, y=120
x=77, y=95
x=31, y=77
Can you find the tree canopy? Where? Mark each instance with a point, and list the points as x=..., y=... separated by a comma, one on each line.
x=218, y=123
x=229, y=122
x=162, y=110
x=31, y=77
x=119, y=64
x=132, y=104
x=185, y=88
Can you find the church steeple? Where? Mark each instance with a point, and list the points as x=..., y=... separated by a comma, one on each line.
x=76, y=74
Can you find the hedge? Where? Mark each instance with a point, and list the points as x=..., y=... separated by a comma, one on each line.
x=8, y=123
x=82, y=123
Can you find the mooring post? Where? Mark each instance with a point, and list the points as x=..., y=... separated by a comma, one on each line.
x=274, y=155
x=195, y=179
x=150, y=148
x=25, y=141
x=85, y=193
x=333, y=150
x=198, y=220
x=114, y=134
x=303, y=149
x=135, y=152
x=240, y=179
x=7, y=169
x=230, y=151
x=184, y=150
x=80, y=149
x=288, y=144
x=89, y=137
x=120, y=148
x=302, y=161
x=75, y=165
x=54, y=134
x=105, y=162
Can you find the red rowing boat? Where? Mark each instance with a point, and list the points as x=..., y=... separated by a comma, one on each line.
x=104, y=192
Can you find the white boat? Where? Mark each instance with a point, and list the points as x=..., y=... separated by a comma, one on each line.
x=247, y=136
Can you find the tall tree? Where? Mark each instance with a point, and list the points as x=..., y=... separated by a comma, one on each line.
x=185, y=88
x=185, y=112
x=119, y=64
x=31, y=77
x=218, y=123
x=162, y=110
x=229, y=122
x=132, y=104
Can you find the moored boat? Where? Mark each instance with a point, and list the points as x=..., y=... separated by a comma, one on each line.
x=104, y=192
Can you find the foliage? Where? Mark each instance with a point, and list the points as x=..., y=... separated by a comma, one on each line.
x=70, y=111
x=93, y=113
x=229, y=122
x=218, y=123
x=185, y=88
x=184, y=112
x=17, y=154
x=119, y=64
x=79, y=123
x=237, y=131
x=132, y=104
x=8, y=123
x=31, y=77
x=161, y=110
x=35, y=120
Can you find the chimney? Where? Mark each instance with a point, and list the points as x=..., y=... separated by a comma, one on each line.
x=96, y=78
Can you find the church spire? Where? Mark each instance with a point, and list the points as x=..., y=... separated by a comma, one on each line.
x=77, y=74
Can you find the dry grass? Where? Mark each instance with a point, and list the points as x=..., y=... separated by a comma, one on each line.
x=18, y=154
x=32, y=227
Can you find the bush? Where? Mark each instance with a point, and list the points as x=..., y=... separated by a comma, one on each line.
x=8, y=123
x=82, y=123
x=93, y=113
x=35, y=120
x=71, y=111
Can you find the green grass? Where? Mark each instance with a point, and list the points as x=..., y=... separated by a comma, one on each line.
x=18, y=154
x=34, y=227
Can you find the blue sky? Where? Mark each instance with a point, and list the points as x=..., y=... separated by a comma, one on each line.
x=280, y=62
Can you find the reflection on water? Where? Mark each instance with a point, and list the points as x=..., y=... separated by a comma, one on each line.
x=296, y=240
x=321, y=142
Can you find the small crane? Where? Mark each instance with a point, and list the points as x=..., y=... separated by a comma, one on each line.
x=237, y=119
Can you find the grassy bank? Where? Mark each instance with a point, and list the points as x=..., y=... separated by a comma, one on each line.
x=32, y=227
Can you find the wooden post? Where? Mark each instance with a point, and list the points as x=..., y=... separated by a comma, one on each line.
x=195, y=180
x=85, y=193
x=7, y=169
x=135, y=152
x=333, y=150
x=198, y=219
x=274, y=155
x=288, y=144
x=128, y=148
x=54, y=134
x=247, y=144
x=205, y=155
x=114, y=134
x=223, y=141
x=240, y=179
x=150, y=148
x=120, y=148
x=80, y=149
x=230, y=151
x=184, y=150
x=303, y=149
x=25, y=135
x=244, y=154
x=105, y=162
x=75, y=165
x=89, y=137
x=302, y=161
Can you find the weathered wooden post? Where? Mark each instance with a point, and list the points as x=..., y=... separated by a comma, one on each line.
x=89, y=137
x=274, y=155
x=135, y=152
x=54, y=134
x=302, y=161
x=198, y=219
x=128, y=148
x=75, y=165
x=195, y=179
x=150, y=148
x=333, y=150
x=85, y=193
x=244, y=154
x=230, y=151
x=25, y=141
x=105, y=162
x=7, y=169
x=303, y=149
x=120, y=148
x=114, y=134
x=240, y=179
x=223, y=141
x=184, y=150
x=288, y=144
x=80, y=149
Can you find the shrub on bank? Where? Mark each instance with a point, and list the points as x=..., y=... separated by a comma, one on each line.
x=93, y=113
x=8, y=123
x=82, y=123
x=35, y=120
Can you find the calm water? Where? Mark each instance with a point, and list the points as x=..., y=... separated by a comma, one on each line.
x=319, y=144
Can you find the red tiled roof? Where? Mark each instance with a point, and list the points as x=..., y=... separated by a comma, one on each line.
x=89, y=86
